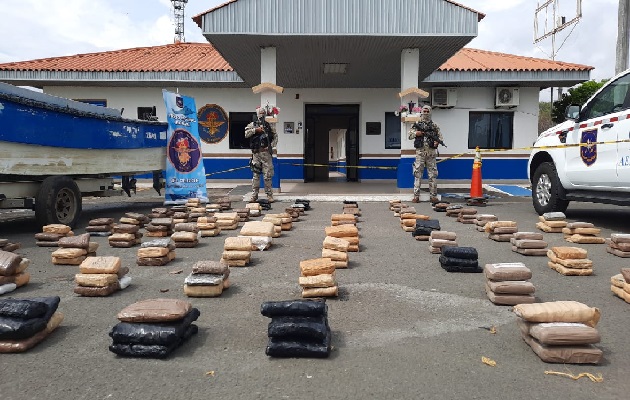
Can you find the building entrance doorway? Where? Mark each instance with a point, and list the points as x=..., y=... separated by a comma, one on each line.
x=331, y=142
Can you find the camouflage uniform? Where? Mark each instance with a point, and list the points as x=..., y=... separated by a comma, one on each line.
x=262, y=160
x=425, y=157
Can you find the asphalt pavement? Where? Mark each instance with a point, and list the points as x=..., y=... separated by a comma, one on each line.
x=403, y=328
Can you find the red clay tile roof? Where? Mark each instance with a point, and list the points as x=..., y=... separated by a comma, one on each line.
x=481, y=60
x=171, y=57
x=204, y=57
x=197, y=18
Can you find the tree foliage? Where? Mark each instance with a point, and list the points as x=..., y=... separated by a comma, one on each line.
x=544, y=117
x=576, y=95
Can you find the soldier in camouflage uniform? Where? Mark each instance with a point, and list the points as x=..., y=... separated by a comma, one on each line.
x=263, y=139
x=426, y=153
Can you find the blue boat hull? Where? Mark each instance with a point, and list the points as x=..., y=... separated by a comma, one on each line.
x=46, y=135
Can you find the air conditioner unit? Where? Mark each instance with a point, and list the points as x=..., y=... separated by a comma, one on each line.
x=506, y=97
x=443, y=97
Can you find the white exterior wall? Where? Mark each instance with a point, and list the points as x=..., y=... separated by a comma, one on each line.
x=373, y=105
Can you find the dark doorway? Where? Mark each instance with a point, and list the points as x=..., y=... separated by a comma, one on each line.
x=321, y=119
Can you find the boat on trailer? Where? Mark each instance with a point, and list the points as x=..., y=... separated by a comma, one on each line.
x=52, y=150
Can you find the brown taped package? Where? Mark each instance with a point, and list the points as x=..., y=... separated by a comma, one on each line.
x=490, y=226
x=153, y=261
x=124, y=244
x=507, y=272
x=100, y=265
x=573, y=225
x=583, y=263
x=316, y=266
x=569, y=271
x=617, y=252
x=567, y=252
x=317, y=281
x=546, y=228
x=95, y=280
x=504, y=237
x=585, y=354
x=19, y=346
x=9, y=263
x=236, y=255
x=577, y=238
x=257, y=228
x=125, y=228
x=209, y=267
x=68, y=261
x=80, y=241
x=335, y=255
x=620, y=246
x=528, y=235
x=91, y=291
x=559, y=311
x=337, y=244
x=511, y=287
x=439, y=243
x=529, y=244
x=620, y=237
x=155, y=310
x=560, y=333
x=620, y=293
x=235, y=263
x=581, y=231
x=238, y=243
x=57, y=228
x=69, y=253
x=443, y=235
x=151, y=252
x=332, y=291
x=617, y=280
x=122, y=237
x=625, y=272
x=203, y=291
x=184, y=237
x=184, y=245
x=509, y=299
x=529, y=252
x=342, y=231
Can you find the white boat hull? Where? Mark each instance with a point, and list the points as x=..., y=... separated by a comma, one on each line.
x=33, y=160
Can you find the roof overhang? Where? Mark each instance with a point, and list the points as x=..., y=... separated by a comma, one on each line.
x=367, y=35
x=540, y=79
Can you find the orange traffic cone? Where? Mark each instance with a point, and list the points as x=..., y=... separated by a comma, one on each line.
x=475, y=184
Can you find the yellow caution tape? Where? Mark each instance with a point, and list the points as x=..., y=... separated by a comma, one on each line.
x=598, y=379
x=559, y=146
x=488, y=361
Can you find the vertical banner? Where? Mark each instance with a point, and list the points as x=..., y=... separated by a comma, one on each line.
x=185, y=173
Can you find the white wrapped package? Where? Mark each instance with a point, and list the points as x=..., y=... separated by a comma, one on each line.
x=7, y=288
x=260, y=243
x=124, y=282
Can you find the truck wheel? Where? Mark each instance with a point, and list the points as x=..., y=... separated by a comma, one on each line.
x=58, y=201
x=547, y=190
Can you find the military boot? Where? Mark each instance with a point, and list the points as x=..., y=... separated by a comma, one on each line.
x=270, y=197
x=416, y=199
x=254, y=198
x=433, y=199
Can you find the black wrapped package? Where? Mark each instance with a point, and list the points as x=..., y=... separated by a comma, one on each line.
x=277, y=347
x=151, y=351
x=469, y=253
x=462, y=268
x=294, y=308
x=424, y=228
x=298, y=328
x=464, y=262
x=163, y=334
x=18, y=328
x=306, y=203
x=22, y=308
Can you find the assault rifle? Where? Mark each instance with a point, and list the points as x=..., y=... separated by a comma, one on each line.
x=264, y=139
x=430, y=134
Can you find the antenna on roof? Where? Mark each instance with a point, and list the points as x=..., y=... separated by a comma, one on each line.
x=551, y=17
x=178, y=15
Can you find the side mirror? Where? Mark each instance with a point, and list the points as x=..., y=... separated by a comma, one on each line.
x=572, y=112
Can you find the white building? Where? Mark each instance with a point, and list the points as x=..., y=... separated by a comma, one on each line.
x=338, y=70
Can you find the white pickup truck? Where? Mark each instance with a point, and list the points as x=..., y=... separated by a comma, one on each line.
x=587, y=157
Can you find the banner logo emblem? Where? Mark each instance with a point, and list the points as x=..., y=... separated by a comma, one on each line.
x=213, y=123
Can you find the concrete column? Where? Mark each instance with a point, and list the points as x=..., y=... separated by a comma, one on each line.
x=268, y=75
x=409, y=70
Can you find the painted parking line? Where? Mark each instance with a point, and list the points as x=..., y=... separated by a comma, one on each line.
x=512, y=190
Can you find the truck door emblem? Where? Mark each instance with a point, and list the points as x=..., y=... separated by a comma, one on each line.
x=588, y=147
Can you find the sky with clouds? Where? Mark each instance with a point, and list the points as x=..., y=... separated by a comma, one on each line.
x=33, y=29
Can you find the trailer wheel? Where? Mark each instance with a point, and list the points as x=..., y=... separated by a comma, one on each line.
x=58, y=201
